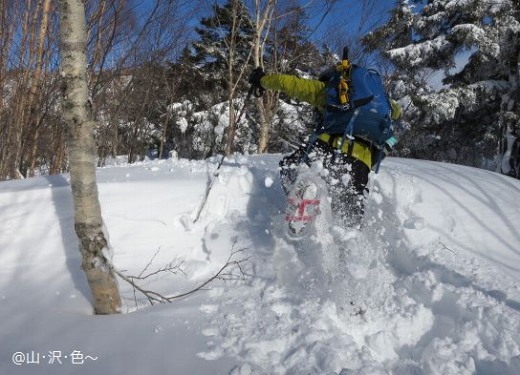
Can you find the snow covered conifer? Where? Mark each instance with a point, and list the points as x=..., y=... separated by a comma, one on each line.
x=211, y=51
x=510, y=110
x=463, y=43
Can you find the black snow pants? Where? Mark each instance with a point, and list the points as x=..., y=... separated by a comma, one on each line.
x=346, y=179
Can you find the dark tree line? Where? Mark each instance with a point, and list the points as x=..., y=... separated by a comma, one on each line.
x=159, y=88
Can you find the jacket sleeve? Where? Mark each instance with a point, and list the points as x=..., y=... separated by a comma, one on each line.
x=311, y=91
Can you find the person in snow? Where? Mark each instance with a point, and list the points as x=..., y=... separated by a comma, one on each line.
x=347, y=171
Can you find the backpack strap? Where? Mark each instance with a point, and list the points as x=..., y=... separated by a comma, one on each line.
x=344, y=81
x=349, y=130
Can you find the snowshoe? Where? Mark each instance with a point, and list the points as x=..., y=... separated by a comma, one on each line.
x=303, y=206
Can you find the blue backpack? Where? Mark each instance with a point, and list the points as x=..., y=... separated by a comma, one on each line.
x=365, y=113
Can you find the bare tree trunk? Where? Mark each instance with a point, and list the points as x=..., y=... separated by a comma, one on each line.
x=231, y=130
x=3, y=44
x=77, y=112
x=58, y=162
x=33, y=93
x=232, y=127
x=266, y=107
x=98, y=50
x=17, y=126
x=163, y=135
x=263, y=16
x=4, y=131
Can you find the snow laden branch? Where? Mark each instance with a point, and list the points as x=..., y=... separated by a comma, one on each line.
x=443, y=106
x=235, y=262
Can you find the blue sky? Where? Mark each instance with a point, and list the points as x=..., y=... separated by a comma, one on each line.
x=343, y=23
x=346, y=16
x=347, y=21
x=352, y=16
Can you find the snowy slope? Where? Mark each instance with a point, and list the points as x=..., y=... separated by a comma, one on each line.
x=430, y=286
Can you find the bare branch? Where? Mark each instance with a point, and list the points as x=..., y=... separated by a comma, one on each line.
x=226, y=273
x=446, y=248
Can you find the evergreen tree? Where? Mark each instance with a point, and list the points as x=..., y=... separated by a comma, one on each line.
x=212, y=50
x=459, y=121
x=510, y=111
x=187, y=77
x=290, y=50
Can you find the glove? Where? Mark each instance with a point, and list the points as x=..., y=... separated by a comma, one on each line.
x=397, y=111
x=256, y=76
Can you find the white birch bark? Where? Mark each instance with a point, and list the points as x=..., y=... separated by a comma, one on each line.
x=77, y=112
x=263, y=15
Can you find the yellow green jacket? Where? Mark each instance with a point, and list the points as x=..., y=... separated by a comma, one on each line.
x=312, y=91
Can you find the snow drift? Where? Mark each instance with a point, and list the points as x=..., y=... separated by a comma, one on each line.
x=431, y=285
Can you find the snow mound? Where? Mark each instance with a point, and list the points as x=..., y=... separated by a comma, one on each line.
x=430, y=285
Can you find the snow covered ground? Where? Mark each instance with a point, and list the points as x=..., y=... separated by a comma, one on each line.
x=430, y=286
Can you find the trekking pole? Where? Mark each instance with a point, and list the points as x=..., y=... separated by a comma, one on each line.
x=252, y=90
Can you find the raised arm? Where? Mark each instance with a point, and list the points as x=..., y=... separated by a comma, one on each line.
x=311, y=91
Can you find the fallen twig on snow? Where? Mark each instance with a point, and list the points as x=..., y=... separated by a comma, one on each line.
x=224, y=273
x=446, y=247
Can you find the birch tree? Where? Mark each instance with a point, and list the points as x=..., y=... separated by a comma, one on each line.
x=263, y=17
x=77, y=112
x=34, y=86
x=239, y=23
